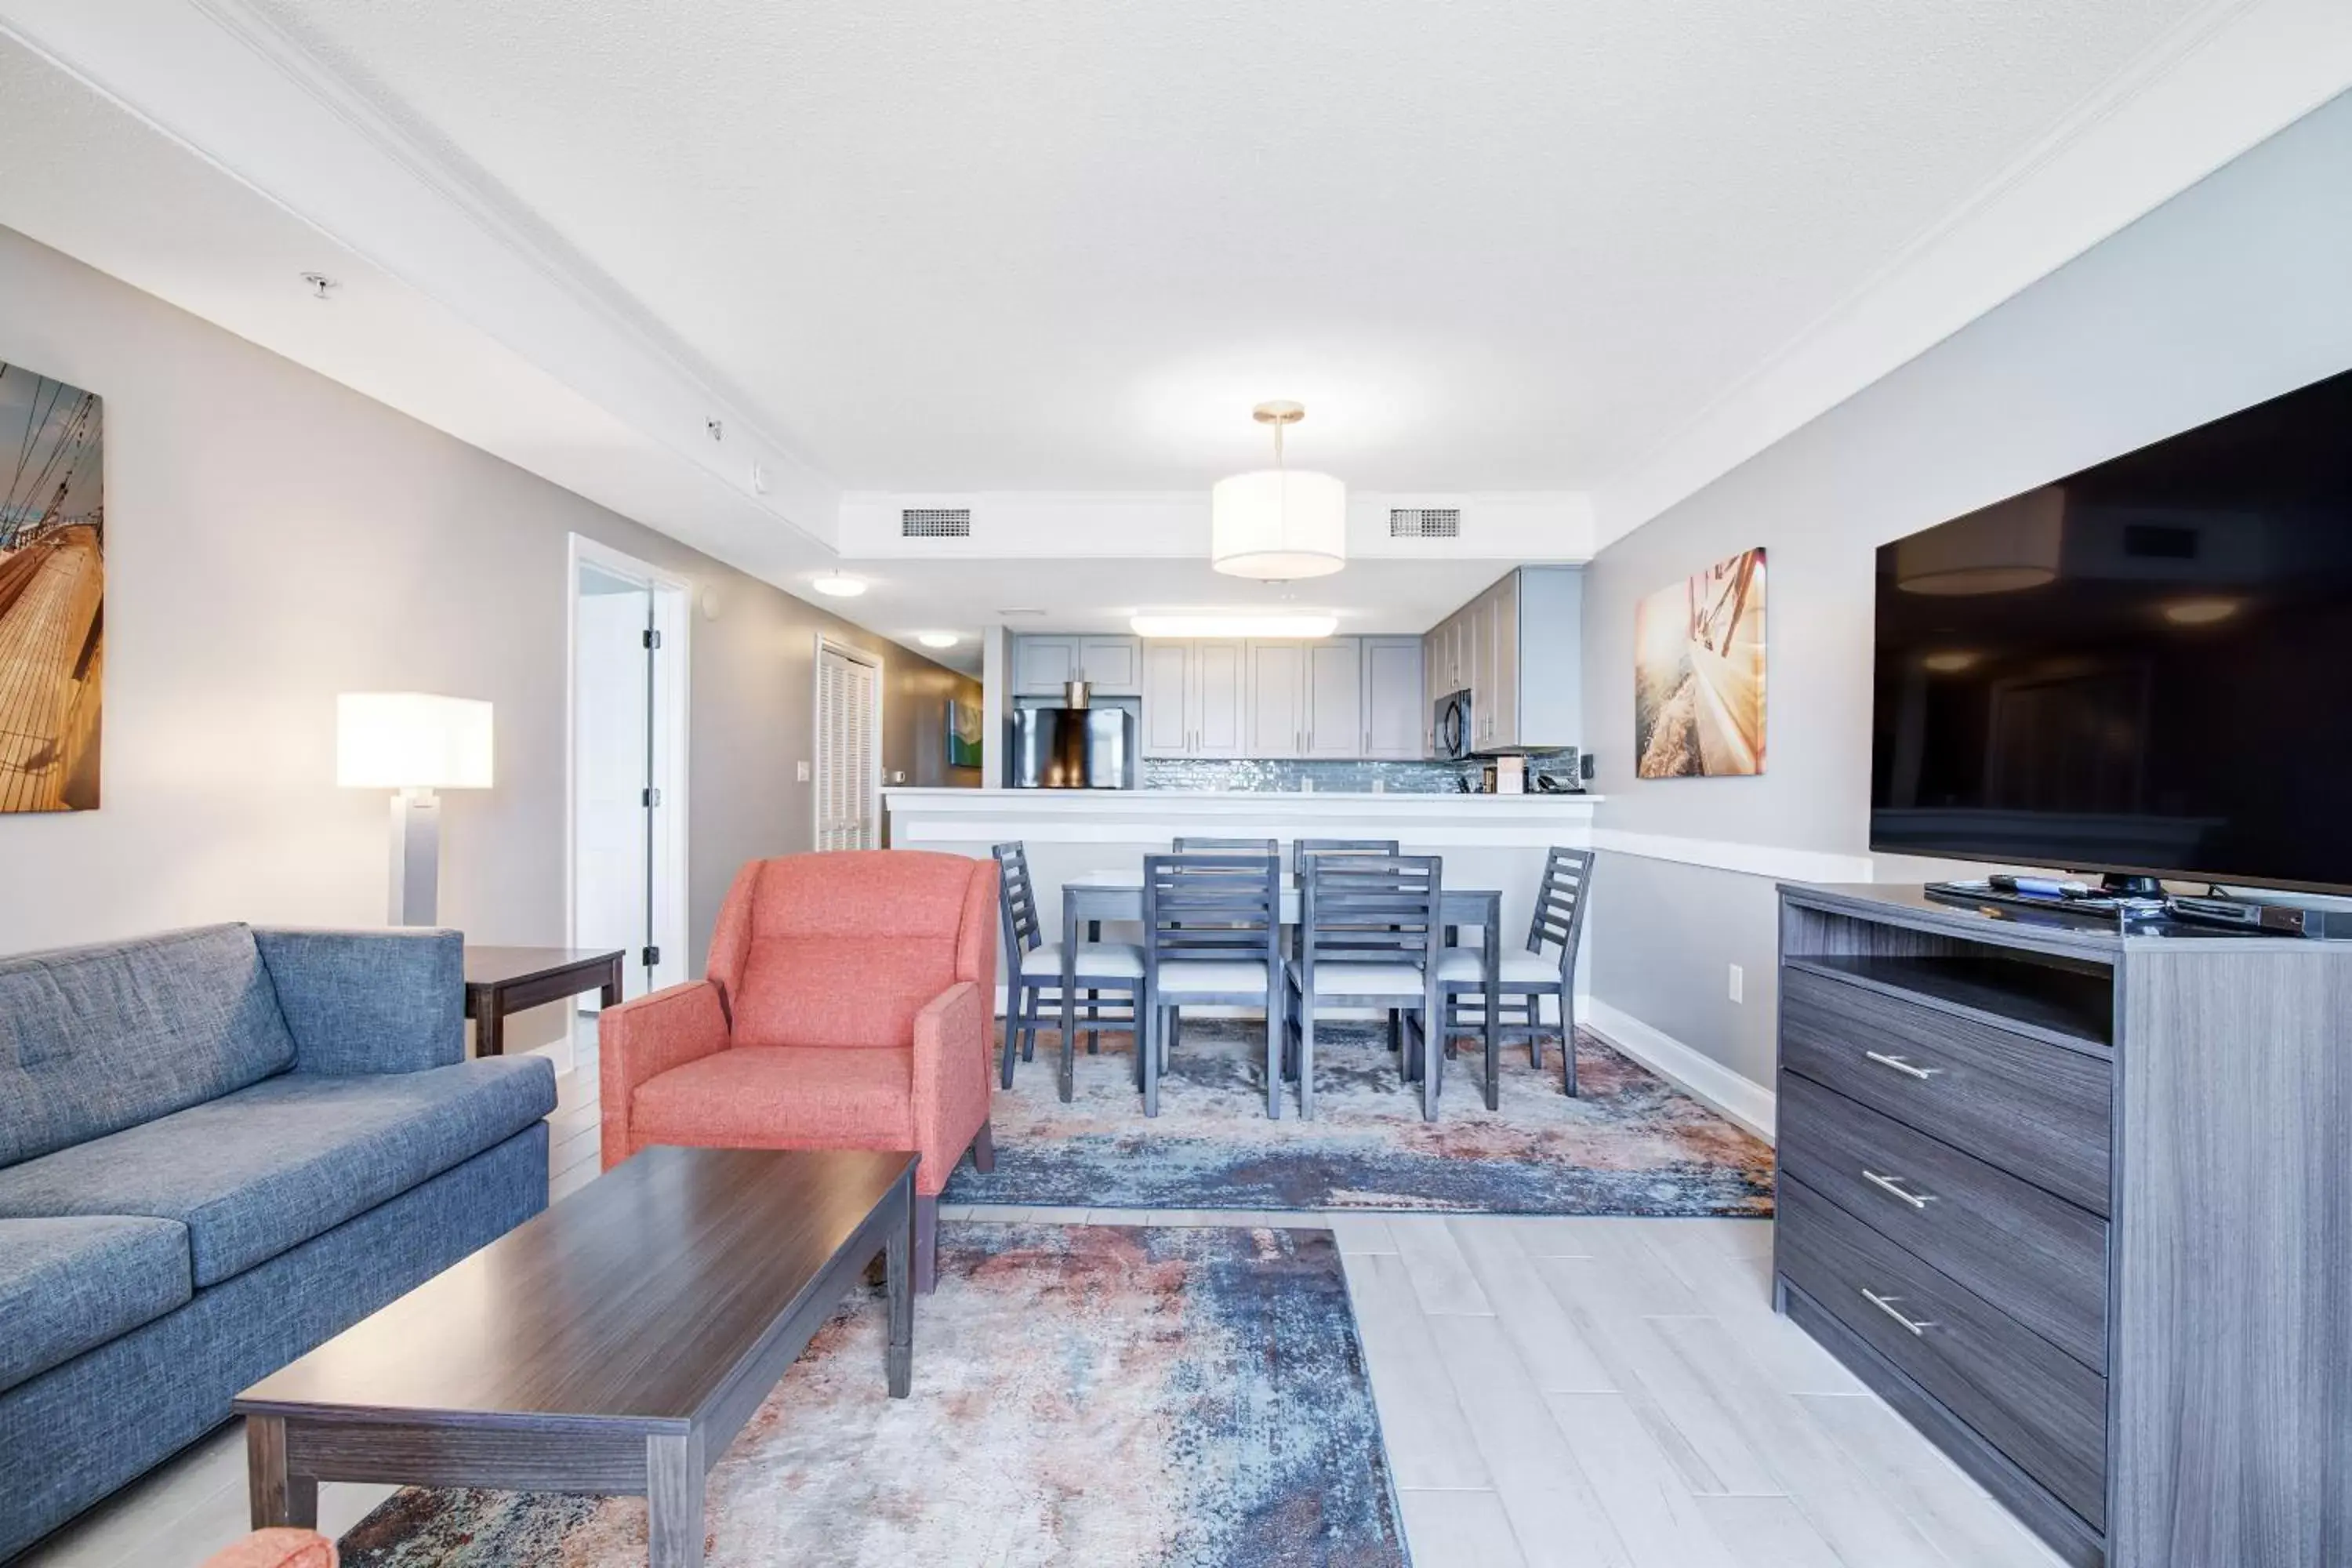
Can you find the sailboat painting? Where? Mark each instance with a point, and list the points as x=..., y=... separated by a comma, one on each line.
x=1698, y=674
x=52, y=592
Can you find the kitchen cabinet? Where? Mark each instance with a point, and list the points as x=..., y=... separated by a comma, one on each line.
x=1042, y=666
x=1194, y=699
x=1334, y=699
x=1278, y=698
x=1396, y=707
x=1516, y=649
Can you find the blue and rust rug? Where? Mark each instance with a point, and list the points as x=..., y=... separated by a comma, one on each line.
x=1101, y=1394
x=1630, y=1144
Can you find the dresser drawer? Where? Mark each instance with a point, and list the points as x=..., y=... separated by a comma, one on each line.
x=2022, y=1104
x=2040, y=1259
x=2040, y=1406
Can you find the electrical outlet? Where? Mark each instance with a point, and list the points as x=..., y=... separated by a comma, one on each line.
x=801, y=772
x=898, y=775
x=1739, y=981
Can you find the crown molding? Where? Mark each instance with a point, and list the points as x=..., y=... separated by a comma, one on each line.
x=233, y=88
x=2226, y=79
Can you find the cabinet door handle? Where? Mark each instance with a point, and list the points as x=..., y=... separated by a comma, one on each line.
x=1890, y=1184
x=1886, y=1305
x=1907, y=1068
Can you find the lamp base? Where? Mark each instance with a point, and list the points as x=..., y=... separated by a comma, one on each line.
x=415, y=856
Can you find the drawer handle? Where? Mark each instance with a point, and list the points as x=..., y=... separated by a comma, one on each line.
x=1886, y=1305
x=1899, y=1065
x=1889, y=1184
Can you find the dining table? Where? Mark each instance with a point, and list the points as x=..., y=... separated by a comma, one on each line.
x=1091, y=897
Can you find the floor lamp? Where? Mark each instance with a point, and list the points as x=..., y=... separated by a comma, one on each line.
x=413, y=743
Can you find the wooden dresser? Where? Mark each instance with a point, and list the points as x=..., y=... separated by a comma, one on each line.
x=2079, y=1204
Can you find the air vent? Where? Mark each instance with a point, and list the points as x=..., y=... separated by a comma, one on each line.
x=1425, y=522
x=2159, y=542
x=935, y=522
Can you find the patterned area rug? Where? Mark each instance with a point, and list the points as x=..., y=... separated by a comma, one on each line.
x=1628, y=1145
x=1085, y=1394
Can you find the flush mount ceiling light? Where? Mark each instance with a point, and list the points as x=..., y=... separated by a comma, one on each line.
x=838, y=585
x=938, y=639
x=2199, y=611
x=2006, y=548
x=1234, y=625
x=1950, y=662
x=1278, y=523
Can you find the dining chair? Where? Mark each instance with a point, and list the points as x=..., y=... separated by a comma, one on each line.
x=1228, y=846
x=1300, y=848
x=1369, y=936
x=1212, y=936
x=1035, y=967
x=1530, y=976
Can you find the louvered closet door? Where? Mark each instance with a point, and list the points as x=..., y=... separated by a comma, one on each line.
x=847, y=764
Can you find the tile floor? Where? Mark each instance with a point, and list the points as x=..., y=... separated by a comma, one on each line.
x=1555, y=1392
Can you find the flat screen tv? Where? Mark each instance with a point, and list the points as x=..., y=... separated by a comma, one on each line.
x=2142, y=670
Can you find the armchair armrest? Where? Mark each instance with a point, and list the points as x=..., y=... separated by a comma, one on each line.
x=951, y=1079
x=368, y=1001
x=644, y=1038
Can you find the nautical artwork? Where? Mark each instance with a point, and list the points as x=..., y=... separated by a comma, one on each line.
x=52, y=592
x=1698, y=674
x=963, y=734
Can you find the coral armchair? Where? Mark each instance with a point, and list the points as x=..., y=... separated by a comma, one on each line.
x=847, y=1006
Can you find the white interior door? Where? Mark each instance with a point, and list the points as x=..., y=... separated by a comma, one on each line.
x=848, y=748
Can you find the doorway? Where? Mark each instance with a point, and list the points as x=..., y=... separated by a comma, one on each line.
x=848, y=747
x=629, y=749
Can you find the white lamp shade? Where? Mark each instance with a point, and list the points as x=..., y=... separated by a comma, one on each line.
x=411, y=740
x=1278, y=523
x=2004, y=548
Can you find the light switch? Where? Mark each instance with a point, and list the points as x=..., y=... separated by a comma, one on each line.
x=801, y=772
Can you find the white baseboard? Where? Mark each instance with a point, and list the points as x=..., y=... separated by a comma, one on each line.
x=1743, y=1099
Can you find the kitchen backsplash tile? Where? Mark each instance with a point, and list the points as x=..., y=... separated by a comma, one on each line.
x=1279, y=776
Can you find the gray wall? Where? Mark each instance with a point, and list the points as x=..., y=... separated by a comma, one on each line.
x=274, y=538
x=2238, y=289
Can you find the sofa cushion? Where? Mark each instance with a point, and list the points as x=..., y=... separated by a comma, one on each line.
x=781, y=1097
x=845, y=948
x=95, y=1039
x=269, y=1167
x=70, y=1284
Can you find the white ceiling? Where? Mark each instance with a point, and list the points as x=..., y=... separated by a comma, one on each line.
x=1492, y=245
x=1557, y=263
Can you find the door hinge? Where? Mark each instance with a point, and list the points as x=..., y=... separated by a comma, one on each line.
x=650, y=957
x=651, y=797
x=653, y=639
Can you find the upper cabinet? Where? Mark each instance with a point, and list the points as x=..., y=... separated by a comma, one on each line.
x=1042, y=666
x=1278, y=698
x=1516, y=649
x=1396, y=710
x=1194, y=700
x=1334, y=699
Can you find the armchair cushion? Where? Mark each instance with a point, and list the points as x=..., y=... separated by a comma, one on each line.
x=797, y=1097
x=368, y=1001
x=638, y=1041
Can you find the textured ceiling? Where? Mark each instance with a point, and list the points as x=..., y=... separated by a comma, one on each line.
x=1066, y=246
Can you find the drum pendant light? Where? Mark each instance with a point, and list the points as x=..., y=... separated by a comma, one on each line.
x=1278, y=523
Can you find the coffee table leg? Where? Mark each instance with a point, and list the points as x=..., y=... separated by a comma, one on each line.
x=898, y=1263
x=278, y=1498
x=674, y=1502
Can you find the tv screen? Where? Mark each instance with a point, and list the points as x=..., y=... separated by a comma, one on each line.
x=2145, y=667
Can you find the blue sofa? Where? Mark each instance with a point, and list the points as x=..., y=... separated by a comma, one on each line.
x=219, y=1148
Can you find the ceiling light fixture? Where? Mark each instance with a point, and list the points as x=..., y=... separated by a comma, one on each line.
x=1951, y=661
x=1278, y=523
x=838, y=585
x=1234, y=625
x=938, y=639
x=2199, y=611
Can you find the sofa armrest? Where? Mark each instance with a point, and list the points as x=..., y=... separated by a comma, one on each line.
x=644, y=1038
x=368, y=1001
x=951, y=1079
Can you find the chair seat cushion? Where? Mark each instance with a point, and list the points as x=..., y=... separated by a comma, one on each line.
x=1402, y=980
x=1462, y=964
x=781, y=1097
x=1113, y=960
x=254, y=1172
x=71, y=1285
x=1210, y=976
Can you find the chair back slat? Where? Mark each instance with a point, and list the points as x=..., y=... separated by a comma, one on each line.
x=1212, y=907
x=1016, y=897
x=1371, y=909
x=1228, y=846
x=1300, y=848
x=1559, y=904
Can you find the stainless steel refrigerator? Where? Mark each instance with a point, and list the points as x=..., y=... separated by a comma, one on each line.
x=1073, y=748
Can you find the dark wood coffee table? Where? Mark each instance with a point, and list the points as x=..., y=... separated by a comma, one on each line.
x=614, y=1343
